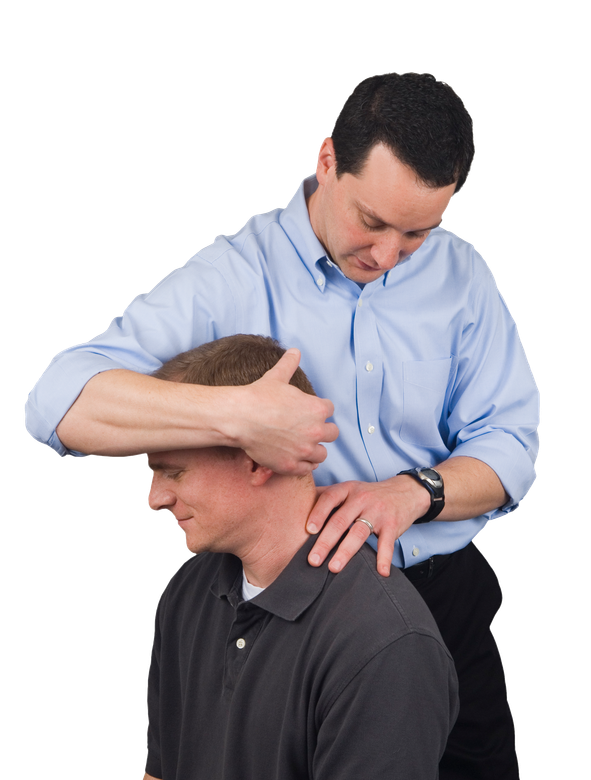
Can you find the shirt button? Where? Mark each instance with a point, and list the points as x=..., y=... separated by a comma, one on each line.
x=360, y=302
x=370, y=429
x=369, y=366
x=415, y=552
x=320, y=281
x=240, y=644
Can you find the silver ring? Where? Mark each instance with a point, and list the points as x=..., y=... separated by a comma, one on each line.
x=367, y=523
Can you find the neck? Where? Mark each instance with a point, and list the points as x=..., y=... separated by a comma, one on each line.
x=278, y=534
x=313, y=205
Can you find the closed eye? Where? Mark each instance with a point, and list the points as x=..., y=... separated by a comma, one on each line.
x=413, y=234
x=175, y=475
x=380, y=226
x=166, y=472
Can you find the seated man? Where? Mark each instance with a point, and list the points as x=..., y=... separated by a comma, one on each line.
x=263, y=666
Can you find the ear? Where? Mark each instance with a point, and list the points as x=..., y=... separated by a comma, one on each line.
x=326, y=161
x=259, y=474
x=254, y=474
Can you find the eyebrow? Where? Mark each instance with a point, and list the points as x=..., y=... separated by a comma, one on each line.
x=373, y=215
x=165, y=466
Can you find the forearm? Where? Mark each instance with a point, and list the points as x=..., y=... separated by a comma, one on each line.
x=124, y=413
x=120, y=412
x=471, y=488
x=392, y=506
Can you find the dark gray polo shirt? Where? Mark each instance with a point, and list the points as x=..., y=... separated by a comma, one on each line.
x=331, y=677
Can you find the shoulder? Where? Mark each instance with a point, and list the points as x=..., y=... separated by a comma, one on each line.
x=450, y=252
x=375, y=631
x=382, y=610
x=257, y=233
x=445, y=241
x=444, y=269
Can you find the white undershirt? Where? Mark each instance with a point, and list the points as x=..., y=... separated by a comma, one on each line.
x=249, y=591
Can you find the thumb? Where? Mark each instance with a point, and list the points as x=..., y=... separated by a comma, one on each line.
x=285, y=367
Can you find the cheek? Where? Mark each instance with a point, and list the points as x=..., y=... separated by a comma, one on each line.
x=352, y=237
x=347, y=233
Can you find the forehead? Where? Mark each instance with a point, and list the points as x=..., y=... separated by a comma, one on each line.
x=181, y=459
x=390, y=188
x=199, y=458
x=157, y=461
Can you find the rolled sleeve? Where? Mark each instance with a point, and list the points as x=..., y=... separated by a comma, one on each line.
x=494, y=403
x=56, y=391
x=508, y=457
x=190, y=306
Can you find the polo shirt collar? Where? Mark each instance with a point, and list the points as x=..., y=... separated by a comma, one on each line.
x=289, y=596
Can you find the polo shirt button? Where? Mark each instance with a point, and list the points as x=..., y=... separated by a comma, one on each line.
x=370, y=429
x=240, y=644
x=369, y=366
x=415, y=552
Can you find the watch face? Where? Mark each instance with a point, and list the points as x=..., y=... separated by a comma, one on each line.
x=432, y=476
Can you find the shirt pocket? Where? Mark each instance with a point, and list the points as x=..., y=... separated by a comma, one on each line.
x=425, y=388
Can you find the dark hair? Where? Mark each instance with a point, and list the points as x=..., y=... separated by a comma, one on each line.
x=421, y=120
x=233, y=360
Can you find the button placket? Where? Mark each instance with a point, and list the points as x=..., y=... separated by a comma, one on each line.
x=243, y=633
x=369, y=371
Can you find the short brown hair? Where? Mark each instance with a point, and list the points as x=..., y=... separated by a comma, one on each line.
x=233, y=360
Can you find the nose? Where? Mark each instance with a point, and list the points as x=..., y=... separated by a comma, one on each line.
x=388, y=250
x=160, y=496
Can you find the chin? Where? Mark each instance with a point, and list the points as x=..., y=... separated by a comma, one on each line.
x=196, y=546
x=356, y=274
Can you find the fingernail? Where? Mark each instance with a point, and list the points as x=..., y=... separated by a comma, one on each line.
x=336, y=566
x=311, y=529
x=314, y=559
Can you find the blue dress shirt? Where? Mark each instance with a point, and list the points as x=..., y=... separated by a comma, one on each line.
x=421, y=364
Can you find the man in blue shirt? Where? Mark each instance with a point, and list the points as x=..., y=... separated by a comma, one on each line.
x=403, y=334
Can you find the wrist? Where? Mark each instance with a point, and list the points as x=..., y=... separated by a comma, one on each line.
x=431, y=483
x=229, y=415
x=415, y=499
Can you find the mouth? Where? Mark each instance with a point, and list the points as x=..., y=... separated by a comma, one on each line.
x=364, y=266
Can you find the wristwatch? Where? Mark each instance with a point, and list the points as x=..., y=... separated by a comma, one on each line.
x=432, y=481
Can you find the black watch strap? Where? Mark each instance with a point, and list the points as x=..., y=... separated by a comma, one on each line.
x=432, y=481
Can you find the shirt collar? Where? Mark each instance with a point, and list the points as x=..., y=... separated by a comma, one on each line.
x=295, y=220
x=289, y=596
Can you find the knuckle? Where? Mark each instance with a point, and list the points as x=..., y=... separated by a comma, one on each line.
x=317, y=432
x=322, y=548
x=339, y=522
x=360, y=530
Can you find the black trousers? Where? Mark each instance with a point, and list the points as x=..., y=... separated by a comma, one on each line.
x=463, y=594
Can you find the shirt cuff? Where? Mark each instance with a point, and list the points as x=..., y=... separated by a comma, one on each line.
x=508, y=458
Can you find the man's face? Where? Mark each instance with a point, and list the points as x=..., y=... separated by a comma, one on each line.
x=206, y=491
x=369, y=223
